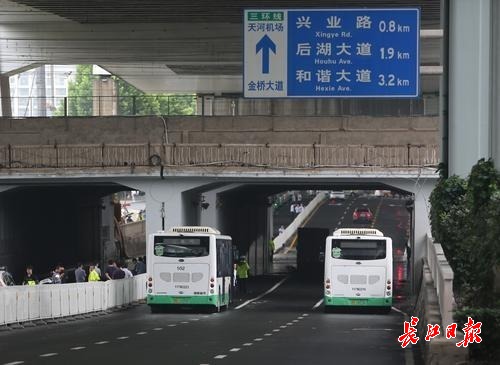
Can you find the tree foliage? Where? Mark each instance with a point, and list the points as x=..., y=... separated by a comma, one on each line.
x=131, y=101
x=465, y=219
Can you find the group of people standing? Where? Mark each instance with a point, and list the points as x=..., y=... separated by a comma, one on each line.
x=116, y=269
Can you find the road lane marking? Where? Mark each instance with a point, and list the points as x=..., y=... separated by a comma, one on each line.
x=268, y=334
x=50, y=354
x=101, y=342
x=282, y=326
x=172, y=325
x=263, y=294
x=318, y=304
x=220, y=356
x=305, y=315
x=247, y=344
x=295, y=320
x=235, y=349
x=194, y=319
x=185, y=322
x=258, y=339
x=157, y=329
x=141, y=333
x=14, y=363
x=399, y=311
x=276, y=330
x=122, y=338
x=77, y=348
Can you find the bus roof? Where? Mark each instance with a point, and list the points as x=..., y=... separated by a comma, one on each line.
x=358, y=232
x=193, y=229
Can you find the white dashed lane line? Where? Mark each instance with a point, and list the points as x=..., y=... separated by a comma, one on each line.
x=172, y=325
x=258, y=339
x=101, y=343
x=77, y=348
x=122, y=337
x=263, y=294
x=247, y=344
x=220, y=356
x=50, y=354
x=235, y=349
x=318, y=304
x=14, y=363
x=141, y=333
x=157, y=329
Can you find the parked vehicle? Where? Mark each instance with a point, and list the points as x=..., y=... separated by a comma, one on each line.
x=361, y=215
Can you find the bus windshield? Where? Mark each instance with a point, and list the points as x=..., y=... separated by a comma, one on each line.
x=181, y=246
x=359, y=249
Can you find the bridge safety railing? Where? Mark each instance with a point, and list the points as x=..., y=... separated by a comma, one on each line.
x=248, y=155
x=442, y=275
x=211, y=105
x=20, y=304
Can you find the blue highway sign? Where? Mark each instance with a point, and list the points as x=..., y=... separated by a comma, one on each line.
x=332, y=53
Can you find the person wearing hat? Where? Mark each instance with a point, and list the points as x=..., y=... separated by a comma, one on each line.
x=242, y=269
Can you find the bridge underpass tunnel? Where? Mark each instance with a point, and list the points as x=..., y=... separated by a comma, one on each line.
x=46, y=225
x=248, y=209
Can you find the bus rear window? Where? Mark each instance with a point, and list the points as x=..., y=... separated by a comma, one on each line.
x=181, y=246
x=359, y=249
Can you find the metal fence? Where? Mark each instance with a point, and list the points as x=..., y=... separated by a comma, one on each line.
x=244, y=155
x=209, y=105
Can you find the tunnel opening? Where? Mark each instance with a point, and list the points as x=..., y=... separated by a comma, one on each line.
x=49, y=225
x=302, y=253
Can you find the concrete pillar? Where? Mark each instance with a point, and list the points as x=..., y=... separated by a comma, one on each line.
x=470, y=83
x=212, y=216
x=108, y=247
x=105, y=101
x=421, y=223
x=495, y=82
x=5, y=94
x=168, y=202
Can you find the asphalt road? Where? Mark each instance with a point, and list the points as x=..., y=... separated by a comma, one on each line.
x=286, y=326
x=282, y=327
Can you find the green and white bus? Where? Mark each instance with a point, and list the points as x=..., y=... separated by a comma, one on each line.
x=189, y=266
x=358, y=269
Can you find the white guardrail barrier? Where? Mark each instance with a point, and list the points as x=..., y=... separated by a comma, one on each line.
x=44, y=302
x=442, y=275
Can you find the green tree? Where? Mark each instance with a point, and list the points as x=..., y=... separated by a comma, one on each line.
x=131, y=101
x=80, y=92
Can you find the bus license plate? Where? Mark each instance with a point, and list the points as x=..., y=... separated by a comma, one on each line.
x=358, y=301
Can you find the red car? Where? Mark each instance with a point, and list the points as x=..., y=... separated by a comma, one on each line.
x=362, y=215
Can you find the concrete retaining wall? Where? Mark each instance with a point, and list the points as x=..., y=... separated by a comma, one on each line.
x=193, y=129
x=291, y=230
x=435, y=305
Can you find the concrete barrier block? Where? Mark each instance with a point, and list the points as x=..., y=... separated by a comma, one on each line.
x=441, y=351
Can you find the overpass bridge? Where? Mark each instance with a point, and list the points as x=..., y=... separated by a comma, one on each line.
x=58, y=176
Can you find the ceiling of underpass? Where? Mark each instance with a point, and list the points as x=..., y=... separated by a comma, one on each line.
x=158, y=45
